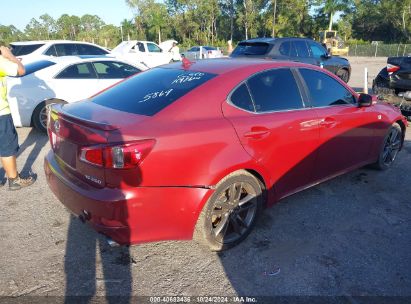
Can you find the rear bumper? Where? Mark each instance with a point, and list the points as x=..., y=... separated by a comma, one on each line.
x=133, y=215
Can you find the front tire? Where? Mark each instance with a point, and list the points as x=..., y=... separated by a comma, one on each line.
x=39, y=117
x=390, y=147
x=231, y=212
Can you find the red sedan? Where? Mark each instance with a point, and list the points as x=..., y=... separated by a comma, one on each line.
x=201, y=148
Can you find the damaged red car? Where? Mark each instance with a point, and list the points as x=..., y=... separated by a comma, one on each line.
x=201, y=148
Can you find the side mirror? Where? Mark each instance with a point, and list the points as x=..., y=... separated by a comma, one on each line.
x=326, y=56
x=365, y=100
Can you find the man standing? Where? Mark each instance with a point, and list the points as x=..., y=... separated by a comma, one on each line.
x=9, y=66
x=175, y=51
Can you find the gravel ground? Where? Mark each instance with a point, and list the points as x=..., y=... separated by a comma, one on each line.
x=347, y=237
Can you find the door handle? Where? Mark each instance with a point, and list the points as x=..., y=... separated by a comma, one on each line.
x=328, y=122
x=257, y=133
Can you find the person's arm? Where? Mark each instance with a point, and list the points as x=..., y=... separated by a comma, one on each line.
x=6, y=53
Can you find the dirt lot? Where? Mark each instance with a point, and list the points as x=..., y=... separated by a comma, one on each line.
x=347, y=237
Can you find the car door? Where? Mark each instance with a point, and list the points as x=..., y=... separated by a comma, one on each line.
x=75, y=82
x=275, y=128
x=321, y=57
x=346, y=130
x=156, y=55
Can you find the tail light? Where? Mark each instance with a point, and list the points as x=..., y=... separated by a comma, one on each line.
x=209, y=52
x=124, y=156
x=392, y=68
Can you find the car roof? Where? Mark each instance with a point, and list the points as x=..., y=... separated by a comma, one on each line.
x=225, y=65
x=49, y=42
x=87, y=58
x=272, y=40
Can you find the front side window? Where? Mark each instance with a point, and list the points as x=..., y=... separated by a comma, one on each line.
x=275, y=90
x=77, y=71
x=114, y=70
x=317, y=50
x=153, y=48
x=325, y=91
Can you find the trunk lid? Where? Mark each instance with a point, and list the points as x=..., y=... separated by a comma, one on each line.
x=74, y=127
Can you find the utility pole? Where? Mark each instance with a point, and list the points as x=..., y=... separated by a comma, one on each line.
x=274, y=15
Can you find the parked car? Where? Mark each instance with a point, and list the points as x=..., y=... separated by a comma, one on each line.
x=29, y=51
x=395, y=77
x=203, y=52
x=145, y=52
x=393, y=81
x=201, y=148
x=61, y=80
x=295, y=49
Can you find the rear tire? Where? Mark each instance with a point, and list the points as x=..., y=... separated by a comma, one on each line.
x=344, y=75
x=231, y=212
x=391, y=145
x=380, y=86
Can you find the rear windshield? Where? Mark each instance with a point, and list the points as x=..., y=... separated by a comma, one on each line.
x=150, y=92
x=37, y=66
x=210, y=48
x=251, y=48
x=20, y=50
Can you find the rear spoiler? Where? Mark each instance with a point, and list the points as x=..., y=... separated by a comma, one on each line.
x=56, y=110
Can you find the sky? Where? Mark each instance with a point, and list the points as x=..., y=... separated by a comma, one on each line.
x=20, y=12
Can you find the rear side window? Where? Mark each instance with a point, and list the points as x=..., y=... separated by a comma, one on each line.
x=275, y=90
x=77, y=71
x=149, y=92
x=21, y=50
x=114, y=70
x=37, y=66
x=242, y=99
x=86, y=49
x=66, y=49
x=251, y=48
x=326, y=91
x=301, y=47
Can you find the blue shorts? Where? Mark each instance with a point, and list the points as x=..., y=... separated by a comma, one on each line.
x=9, y=144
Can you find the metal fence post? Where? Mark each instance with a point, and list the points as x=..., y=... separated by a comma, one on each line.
x=405, y=47
x=376, y=49
x=365, y=90
x=355, y=53
x=398, y=49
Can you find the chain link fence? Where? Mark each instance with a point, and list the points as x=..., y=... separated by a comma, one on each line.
x=379, y=50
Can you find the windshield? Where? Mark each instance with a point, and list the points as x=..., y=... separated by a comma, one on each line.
x=21, y=50
x=251, y=48
x=150, y=92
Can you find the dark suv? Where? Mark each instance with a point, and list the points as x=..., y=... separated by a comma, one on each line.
x=296, y=49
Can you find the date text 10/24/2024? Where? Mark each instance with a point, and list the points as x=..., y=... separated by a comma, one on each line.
x=202, y=299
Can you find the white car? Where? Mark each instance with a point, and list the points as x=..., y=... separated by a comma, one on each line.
x=203, y=52
x=29, y=51
x=62, y=80
x=145, y=52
